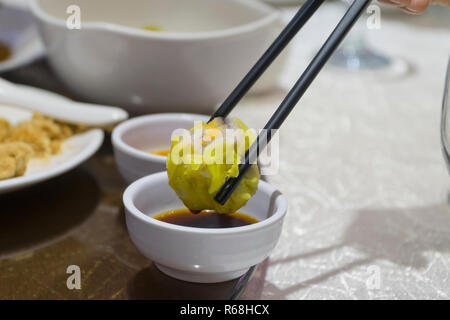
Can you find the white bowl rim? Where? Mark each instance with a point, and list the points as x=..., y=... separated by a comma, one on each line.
x=272, y=15
x=136, y=186
x=121, y=129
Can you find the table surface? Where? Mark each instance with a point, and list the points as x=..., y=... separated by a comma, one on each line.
x=360, y=163
x=362, y=168
x=78, y=219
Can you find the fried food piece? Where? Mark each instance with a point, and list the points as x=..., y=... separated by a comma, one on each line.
x=35, y=138
x=5, y=128
x=43, y=134
x=38, y=133
x=7, y=167
x=39, y=137
x=14, y=157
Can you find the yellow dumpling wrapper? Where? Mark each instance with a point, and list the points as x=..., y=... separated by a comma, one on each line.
x=198, y=167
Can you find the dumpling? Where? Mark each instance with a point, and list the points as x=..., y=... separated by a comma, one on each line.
x=201, y=160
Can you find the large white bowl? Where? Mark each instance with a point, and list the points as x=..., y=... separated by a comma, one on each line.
x=207, y=47
x=133, y=139
x=200, y=254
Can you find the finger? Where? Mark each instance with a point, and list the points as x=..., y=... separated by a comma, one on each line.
x=418, y=6
x=409, y=6
x=396, y=3
x=388, y=2
x=402, y=3
x=410, y=11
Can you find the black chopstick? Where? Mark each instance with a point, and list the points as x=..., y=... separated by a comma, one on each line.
x=294, y=96
x=296, y=23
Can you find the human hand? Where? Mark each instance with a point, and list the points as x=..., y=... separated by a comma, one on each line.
x=414, y=6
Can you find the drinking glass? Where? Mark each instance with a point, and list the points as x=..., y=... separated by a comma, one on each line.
x=355, y=53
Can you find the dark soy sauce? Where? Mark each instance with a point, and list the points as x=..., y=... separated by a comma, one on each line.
x=5, y=52
x=205, y=219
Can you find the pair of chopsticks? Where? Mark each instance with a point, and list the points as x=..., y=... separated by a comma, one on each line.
x=300, y=87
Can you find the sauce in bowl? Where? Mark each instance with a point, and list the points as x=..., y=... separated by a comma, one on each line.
x=5, y=52
x=163, y=153
x=205, y=219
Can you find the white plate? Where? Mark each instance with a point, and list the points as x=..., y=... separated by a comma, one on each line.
x=18, y=32
x=75, y=151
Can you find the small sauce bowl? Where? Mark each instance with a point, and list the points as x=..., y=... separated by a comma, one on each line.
x=200, y=254
x=133, y=140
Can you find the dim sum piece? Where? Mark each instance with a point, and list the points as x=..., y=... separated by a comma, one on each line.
x=200, y=161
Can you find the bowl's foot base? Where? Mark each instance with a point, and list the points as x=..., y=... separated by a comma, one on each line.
x=201, y=277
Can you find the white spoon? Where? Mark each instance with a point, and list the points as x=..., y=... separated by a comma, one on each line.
x=56, y=106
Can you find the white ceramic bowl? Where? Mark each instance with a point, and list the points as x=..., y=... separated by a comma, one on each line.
x=206, y=48
x=200, y=254
x=19, y=34
x=133, y=139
